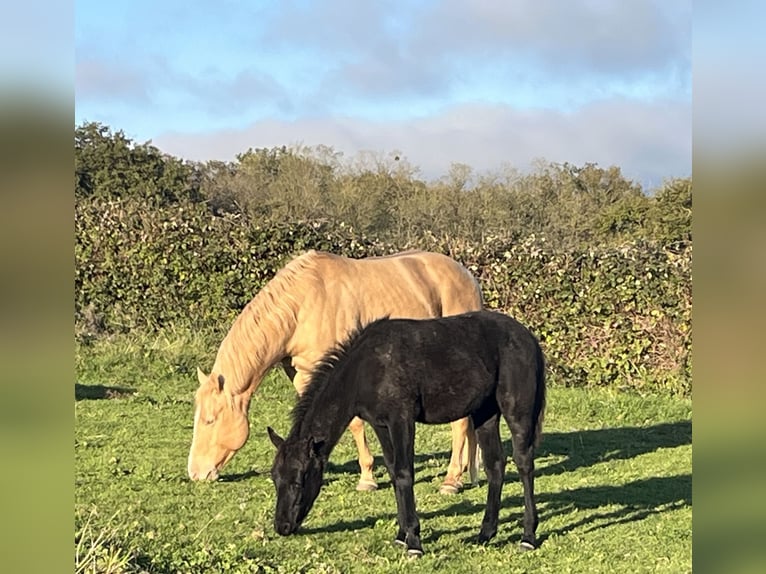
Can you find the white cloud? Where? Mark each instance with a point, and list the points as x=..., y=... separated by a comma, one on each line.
x=649, y=142
x=97, y=79
x=483, y=83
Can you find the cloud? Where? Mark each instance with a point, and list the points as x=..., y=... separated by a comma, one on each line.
x=218, y=93
x=729, y=85
x=561, y=38
x=345, y=56
x=159, y=87
x=426, y=51
x=598, y=37
x=649, y=142
x=483, y=82
x=97, y=79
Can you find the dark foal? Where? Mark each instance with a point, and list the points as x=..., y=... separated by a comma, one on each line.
x=396, y=372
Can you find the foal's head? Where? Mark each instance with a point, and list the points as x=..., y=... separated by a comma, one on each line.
x=297, y=475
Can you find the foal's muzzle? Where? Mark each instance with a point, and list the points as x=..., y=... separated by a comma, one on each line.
x=285, y=528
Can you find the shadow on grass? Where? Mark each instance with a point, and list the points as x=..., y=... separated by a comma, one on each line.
x=97, y=392
x=588, y=447
x=239, y=476
x=348, y=525
x=638, y=500
x=580, y=449
x=635, y=501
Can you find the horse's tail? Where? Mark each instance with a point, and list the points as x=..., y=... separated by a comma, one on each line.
x=539, y=397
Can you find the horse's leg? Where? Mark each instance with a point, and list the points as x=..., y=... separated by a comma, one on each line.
x=453, y=481
x=402, y=436
x=524, y=458
x=471, y=453
x=367, y=480
x=488, y=435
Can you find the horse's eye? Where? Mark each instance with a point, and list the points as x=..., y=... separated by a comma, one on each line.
x=210, y=420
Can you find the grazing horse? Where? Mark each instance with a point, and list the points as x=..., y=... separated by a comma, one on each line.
x=309, y=306
x=396, y=372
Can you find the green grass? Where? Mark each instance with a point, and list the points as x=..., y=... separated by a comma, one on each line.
x=613, y=483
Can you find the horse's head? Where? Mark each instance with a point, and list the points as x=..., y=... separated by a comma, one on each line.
x=220, y=426
x=297, y=475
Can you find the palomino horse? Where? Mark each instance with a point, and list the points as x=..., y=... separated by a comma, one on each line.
x=310, y=305
x=399, y=371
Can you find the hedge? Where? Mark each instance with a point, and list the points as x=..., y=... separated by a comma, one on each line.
x=618, y=316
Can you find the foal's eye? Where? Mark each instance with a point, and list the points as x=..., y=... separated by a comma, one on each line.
x=209, y=421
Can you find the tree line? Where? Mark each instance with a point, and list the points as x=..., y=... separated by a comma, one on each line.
x=571, y=206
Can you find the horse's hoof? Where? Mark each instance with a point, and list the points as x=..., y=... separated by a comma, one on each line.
x=451, y=487
x=414, y=553
x=527, y=546
x=399, y=542
x=366, y=486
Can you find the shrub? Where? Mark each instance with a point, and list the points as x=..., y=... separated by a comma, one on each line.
x=618, y=316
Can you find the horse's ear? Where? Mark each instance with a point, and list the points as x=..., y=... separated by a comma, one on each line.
x=276, y=440
x=201, y=376
x=221, y=381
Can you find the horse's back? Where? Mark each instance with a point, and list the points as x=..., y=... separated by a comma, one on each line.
x=344, y=293
x=411, y=284
x=454, y=286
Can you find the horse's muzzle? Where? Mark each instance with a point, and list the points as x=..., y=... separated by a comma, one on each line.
x=211, y=474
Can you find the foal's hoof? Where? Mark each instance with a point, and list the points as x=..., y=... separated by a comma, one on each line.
x=484, y=538
x=367, y=485
x=411, y=552
x=450, y=487
x=526, y=545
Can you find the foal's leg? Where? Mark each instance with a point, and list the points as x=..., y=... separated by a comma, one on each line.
x=402, y=436
x=488, y=435
x=453, y=481
x=384, y=437
x=524, y=458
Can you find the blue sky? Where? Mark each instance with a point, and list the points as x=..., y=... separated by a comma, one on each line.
x=486, y=83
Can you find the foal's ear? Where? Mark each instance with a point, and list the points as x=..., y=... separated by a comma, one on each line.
x=276, y=440
x=315, y=446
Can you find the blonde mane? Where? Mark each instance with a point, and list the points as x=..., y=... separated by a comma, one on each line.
x=256, y=339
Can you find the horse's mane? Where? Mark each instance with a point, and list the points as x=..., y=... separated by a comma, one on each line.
x=324, y=369
x=271, y=313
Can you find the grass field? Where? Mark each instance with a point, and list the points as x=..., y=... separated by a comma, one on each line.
x=613, y=483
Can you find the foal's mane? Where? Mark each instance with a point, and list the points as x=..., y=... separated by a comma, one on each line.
x=269, y=315
x=323, y=370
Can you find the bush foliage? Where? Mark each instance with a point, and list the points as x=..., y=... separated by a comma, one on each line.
x=598, y=269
